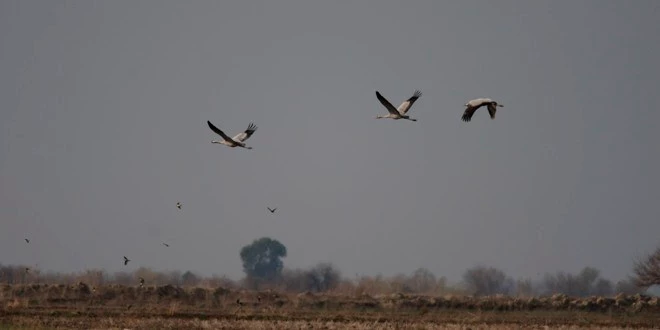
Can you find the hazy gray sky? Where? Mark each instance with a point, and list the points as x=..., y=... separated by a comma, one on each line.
x=104, y=108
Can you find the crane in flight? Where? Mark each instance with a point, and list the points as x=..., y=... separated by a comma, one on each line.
x=400, y=112
x=236, y=141
x=475, y=104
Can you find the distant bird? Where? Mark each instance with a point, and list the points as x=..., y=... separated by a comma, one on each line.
x=126, y=260
x=475, y=104
x=141, y=282
x=236, y=141
x=271, y=210
x=178, y=205
x=27, y=270
x=400, y=112
x=166, y=244
x=27, y=240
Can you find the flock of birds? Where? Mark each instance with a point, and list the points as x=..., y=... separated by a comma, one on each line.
x=400, y=112
x=394, y=113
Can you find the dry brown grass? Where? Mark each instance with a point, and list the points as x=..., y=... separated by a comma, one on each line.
x=170, y=307
x=169, y=323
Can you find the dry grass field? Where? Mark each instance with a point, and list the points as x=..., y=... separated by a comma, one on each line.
x=167, y=307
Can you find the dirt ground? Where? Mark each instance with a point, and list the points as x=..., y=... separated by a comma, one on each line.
x=118, y=307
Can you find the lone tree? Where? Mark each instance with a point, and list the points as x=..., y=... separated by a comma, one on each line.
x=647, y=270
x=262, y=260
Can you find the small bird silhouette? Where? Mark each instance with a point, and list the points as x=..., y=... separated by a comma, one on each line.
x=126, y=260
x=27, y=240
x=27, y=270
x=166, y=244
x=141, y=282
x=271, y=210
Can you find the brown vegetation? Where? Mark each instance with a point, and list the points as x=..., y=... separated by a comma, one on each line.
x=319, y=297
x=93, y=306
x=59, y=296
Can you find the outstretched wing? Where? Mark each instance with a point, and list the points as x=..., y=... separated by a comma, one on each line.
x=469, y=112
x=219, y=132
x=387, y=104
x=240, y=137
x=407, y=104
x=491, y=110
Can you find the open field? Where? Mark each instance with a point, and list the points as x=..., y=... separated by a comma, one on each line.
x=169, y=307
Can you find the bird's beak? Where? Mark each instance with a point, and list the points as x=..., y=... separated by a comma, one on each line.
x=499, y=105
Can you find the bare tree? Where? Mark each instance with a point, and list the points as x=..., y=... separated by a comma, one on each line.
x=585, y=283
x=628, y=286
x=422, y=281
x=524, y=287
x=647, y=270
x=487, y=281
x=603, y=287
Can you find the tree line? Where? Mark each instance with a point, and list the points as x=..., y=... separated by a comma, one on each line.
x=263, y=266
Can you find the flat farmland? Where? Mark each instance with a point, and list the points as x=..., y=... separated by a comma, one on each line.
x=81, y=306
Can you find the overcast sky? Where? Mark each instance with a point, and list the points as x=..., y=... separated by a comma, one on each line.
x=104, y=107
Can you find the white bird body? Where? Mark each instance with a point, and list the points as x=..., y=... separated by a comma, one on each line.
x=400, y=112
x=479, y=101
x=236, y=141
x=472, y=106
